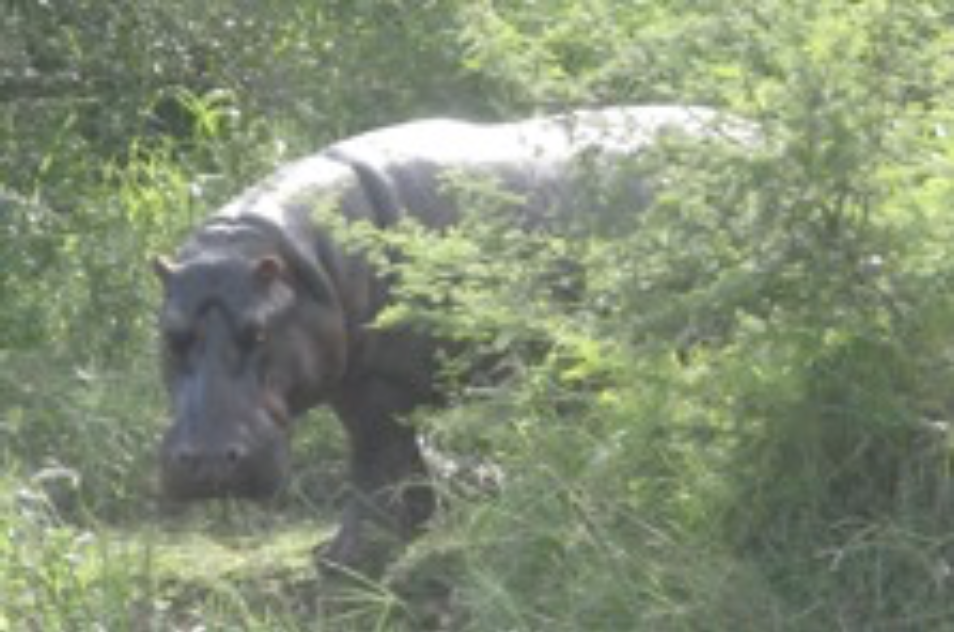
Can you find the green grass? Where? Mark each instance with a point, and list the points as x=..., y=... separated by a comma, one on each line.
x=624, y=516
x=87, y=543
x=741, y=424
x=221, y=567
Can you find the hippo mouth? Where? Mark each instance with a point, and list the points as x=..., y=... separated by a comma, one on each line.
x=229, y=473
x=198, y=488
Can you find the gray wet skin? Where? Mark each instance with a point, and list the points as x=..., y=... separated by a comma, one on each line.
x=264, y=316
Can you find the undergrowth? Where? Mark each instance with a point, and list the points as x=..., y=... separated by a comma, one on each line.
x=728, y=411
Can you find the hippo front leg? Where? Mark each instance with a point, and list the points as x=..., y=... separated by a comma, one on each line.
x=389, y=477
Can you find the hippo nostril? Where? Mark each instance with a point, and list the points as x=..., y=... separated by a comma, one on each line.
x=185, y=457
x=234, y=455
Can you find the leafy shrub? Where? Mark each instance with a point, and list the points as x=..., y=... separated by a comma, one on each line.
x=731, y=411
x=751, y=372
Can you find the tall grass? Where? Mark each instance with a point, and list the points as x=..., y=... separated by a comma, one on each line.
x=732, y=413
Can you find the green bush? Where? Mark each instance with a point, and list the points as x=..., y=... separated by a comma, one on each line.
x=728, y=411
x=751, y=378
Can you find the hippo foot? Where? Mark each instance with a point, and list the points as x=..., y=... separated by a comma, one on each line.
x=373, y=530
x=350, y=554
x=359, y=546
x=343, y=552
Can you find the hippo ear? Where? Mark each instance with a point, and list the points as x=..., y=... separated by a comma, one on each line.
x=165, y=268
x=268, y=269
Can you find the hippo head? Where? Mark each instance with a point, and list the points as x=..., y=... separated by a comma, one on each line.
x=245, y=348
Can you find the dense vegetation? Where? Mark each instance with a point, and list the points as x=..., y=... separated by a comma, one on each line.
x=737, y=418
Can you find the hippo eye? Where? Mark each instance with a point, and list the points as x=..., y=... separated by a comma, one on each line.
x=251, y=336
x=180, y=341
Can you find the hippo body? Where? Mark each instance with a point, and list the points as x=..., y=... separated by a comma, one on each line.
x=265, y=316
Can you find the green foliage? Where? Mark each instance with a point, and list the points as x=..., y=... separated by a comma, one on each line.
x=54, y=423
x=728, y=411
x=59, y=578
x=755, y=361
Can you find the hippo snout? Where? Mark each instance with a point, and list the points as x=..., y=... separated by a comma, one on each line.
x=217, y=466
x=198, y=470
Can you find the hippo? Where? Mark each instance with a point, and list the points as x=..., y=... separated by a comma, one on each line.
x=266, y=316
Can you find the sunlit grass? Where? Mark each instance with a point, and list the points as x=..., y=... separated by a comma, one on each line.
x=220, y=567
